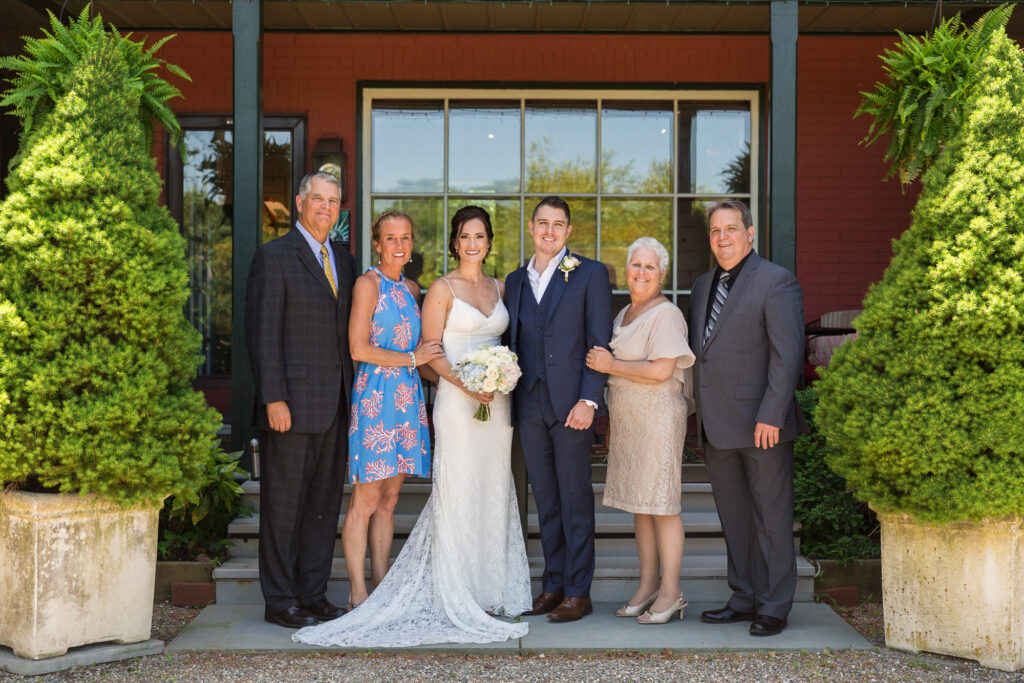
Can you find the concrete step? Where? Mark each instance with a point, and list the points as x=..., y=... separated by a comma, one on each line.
x=610, y=546
x=703, y=579
x=606, y=523
x=695, y=496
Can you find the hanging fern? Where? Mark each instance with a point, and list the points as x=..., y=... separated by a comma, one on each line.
x=41, y=75
x=920, y=106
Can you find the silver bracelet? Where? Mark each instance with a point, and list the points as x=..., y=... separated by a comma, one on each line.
x=412, y=361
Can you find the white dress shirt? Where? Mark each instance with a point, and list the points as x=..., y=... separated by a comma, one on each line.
x=539, y=281
x=539, y=284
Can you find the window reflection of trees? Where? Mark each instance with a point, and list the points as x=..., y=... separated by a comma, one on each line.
x=207, y=224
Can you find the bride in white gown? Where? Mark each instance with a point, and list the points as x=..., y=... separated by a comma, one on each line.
x=465, y=557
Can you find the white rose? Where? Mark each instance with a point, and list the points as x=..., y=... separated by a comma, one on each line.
x=490, y=384
x=505, y=358
x=492, y=372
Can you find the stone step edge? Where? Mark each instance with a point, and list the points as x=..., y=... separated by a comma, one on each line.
x=605, y=523
x=693, y=566
x=424, y=486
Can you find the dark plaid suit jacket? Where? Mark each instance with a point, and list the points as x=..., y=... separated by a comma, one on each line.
x=297, y=332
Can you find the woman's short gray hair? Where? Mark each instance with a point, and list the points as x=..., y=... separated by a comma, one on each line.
x=652, y=244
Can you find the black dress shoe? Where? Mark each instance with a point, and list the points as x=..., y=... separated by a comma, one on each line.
x=324, y=610
x=291, y=617
x=765, y=625
x=726, y=615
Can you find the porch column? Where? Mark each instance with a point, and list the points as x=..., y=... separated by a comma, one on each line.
x=782, y=134
x=247, y=30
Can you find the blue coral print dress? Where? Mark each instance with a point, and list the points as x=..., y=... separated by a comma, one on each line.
x=387, y=433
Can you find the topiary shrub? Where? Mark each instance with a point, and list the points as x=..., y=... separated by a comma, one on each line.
x=925, y=409
x=96, y=357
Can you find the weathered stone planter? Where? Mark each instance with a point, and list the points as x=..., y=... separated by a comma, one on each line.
x=74, y=571
x=955, y=589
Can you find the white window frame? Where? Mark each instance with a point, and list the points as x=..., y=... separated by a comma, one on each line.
x=446, y=95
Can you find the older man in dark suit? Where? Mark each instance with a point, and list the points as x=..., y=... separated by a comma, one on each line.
x=747, y=329
x=297, y=304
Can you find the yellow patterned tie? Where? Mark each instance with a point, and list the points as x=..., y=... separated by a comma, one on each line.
x=327, y=269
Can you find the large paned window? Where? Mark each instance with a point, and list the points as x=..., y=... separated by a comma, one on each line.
x=200, y=193
x=630, y=164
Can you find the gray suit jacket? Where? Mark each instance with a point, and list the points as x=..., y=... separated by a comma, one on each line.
x=749, y=369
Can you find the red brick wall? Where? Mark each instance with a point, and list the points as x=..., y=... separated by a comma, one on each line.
x=845, y=216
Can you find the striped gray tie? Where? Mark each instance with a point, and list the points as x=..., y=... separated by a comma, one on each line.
x=721, y=292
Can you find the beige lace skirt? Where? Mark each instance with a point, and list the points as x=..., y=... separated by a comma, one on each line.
x=647, y=426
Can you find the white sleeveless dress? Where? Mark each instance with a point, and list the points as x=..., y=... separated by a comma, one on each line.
x=466, y=554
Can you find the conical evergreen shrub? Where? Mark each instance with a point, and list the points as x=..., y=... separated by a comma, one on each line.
x=926, y=406
x=96, y=357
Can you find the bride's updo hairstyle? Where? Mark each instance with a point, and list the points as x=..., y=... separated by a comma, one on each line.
x=463, y=216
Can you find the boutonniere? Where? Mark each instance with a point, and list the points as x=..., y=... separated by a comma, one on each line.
x=568, y=264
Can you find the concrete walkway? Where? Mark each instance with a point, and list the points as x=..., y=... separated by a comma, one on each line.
x=813, y=627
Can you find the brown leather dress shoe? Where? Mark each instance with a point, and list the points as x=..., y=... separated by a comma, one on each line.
x=544, y=603
x=571, y=609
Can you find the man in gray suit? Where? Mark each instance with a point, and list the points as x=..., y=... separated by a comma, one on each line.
x=747, y=330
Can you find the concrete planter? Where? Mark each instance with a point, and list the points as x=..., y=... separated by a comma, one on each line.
x=74, y=571
x=955, y=589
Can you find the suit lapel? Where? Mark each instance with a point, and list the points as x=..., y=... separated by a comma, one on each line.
x=309, y=261
x=513, y=290
x=556, y=287
x=343, y=276
x=735, y=293
x=699, y=301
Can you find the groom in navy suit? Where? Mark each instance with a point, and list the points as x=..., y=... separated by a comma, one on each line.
x=560, y=306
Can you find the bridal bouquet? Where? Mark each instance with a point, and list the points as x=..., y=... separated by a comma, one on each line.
x=491, y=369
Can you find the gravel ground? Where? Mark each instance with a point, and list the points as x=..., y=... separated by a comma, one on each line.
x=855, y=666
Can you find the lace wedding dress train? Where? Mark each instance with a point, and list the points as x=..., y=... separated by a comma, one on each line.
x=465, y=556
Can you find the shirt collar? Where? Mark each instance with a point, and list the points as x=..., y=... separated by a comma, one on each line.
x=552, y=264
x=310, y=240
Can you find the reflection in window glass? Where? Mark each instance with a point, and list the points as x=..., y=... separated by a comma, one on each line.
x=278, y=202
x=714, y=149
x=429, y=237
x=206, y=225
x=561, y=148
x=624, y=220
x=483, y=149
x=693, y=251
x=504, y=256
x=583, y=238
x=408, y=148
x=636, y=149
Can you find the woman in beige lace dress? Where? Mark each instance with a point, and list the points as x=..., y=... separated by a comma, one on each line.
x=648, y=386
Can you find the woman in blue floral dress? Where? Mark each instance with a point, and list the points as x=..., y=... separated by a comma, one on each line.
x=388, y=435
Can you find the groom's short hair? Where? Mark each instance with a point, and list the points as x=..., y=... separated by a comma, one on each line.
x=555, y=203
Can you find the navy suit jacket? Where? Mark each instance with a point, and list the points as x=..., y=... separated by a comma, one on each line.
x=297, y=332
x=579, y=317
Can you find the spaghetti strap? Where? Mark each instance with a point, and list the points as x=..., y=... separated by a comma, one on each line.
x=449, y=286
x=496, y=287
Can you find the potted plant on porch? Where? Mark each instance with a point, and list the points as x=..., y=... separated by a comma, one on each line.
x=925, y=409
x=98, y=419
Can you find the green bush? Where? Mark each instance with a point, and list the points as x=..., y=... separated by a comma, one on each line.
x=834, y=524
x=190, y=529
x=96, y=357
x=925, y=409
x=921, y=105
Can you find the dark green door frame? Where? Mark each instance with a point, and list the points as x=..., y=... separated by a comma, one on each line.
x=782, y=134
x=247, y=115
